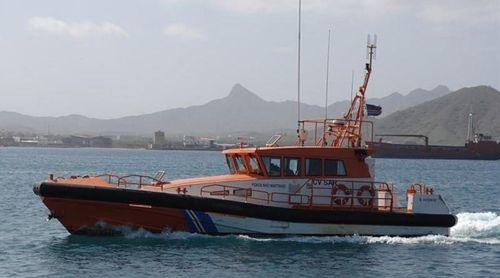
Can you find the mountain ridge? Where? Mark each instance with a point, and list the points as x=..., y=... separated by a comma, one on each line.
x=444, y=120
x=240, y=111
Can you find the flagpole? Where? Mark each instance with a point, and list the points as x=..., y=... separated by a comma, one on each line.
x=352, y=83
x=327, y=74
x=298, y=74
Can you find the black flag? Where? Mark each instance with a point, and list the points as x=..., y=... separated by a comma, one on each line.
x=373, y=110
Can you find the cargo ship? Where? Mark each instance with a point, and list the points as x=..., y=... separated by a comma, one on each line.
x=478, y=147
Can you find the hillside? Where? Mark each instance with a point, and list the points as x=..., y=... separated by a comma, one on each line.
x=444, y=120
x=240, y=111
x=397, y=101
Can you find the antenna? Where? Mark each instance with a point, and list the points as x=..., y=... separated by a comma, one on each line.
x=352, y=83
x=327, y=74
x=368, y=45
x=298, y=73
x=371, y=48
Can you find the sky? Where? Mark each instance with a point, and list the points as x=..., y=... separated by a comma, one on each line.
x=113, y=58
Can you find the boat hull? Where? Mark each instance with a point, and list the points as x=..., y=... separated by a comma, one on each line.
x=475, y=151
x=98, y=210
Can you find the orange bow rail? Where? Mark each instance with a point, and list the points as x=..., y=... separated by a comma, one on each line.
x=134, y=180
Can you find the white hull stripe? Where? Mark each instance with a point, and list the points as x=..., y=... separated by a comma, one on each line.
x=197, y=223
x=227, y=224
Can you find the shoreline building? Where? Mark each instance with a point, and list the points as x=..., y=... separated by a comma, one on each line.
x=159, y=139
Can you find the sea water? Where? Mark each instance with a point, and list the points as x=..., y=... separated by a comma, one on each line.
x=30, y=246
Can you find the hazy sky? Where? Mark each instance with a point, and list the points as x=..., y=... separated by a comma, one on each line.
x=113, y=58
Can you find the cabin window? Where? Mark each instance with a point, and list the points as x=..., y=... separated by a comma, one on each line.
x=292, y=166
x=230, y=164
x=254, y=165
x=313, y=167
x=273, y=165
x=334, y=167
x=239, y=163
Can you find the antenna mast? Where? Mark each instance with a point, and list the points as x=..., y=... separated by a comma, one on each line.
x=327, y=73
x=348, y=132
x=352, y=83
x=298, y=74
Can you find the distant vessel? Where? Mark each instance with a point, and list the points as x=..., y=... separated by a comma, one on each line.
x=478, y=146
x=322, y=185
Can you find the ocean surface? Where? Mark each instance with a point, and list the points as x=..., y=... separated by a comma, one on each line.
x=30, y=246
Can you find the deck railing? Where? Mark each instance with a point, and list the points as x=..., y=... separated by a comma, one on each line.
x=314, y=196
x=321, y=128
x=313, y=193
x=132, y=180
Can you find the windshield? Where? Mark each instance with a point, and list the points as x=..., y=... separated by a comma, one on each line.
x=239, y=163
x=230, y=164
x=254, y=165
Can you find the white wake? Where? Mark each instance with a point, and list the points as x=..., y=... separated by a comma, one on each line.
x=482, y=227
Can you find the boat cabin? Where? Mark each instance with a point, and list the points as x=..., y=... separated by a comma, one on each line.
x=299, y=162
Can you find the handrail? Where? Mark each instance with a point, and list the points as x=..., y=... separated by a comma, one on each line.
x=125, y=180
x=297, y=198
x=422, y=189
x=110, y=176
x=225, y=192
x=327, y=123
x=354, y=197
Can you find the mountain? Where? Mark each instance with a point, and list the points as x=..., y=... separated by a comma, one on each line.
x=444, y=120
x=394, y=101
x=397, y=101
x=240, y=111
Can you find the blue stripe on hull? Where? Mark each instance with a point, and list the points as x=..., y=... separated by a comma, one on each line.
x=206, y=222
x=189, y=221
x=199, y=222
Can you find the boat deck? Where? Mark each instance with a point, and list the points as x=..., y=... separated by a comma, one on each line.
x=334, y=195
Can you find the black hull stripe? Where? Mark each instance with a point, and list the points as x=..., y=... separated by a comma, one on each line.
x=180, y=201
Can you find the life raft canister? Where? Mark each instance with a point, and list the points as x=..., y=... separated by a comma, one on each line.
x=341, y=201
x=364, y=201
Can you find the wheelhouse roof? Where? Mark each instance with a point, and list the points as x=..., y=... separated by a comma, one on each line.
x=318, y=151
